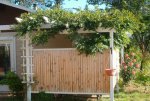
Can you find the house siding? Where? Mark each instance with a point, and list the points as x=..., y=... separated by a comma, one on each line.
x=8, y=14
x=59, y=41
x=18, y=51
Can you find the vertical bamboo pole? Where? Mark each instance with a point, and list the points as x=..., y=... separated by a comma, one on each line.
x=111, y=66
x=28, y=74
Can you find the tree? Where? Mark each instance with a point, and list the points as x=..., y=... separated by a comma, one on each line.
x=142, y=38
x=141, y=8
x=46, y=3
x=95, y=2
x=131, y=5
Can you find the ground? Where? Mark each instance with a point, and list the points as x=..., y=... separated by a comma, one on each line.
x=131, y=92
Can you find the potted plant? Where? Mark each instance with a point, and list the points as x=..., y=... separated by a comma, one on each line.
x=110, y=72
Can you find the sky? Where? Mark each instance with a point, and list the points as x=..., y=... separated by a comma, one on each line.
x=69, y=4
x=77, y=4
x=74, y=4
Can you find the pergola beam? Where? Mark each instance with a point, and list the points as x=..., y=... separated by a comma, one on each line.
x=47, y=26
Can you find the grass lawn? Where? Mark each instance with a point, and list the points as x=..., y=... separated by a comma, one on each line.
x=132, y=92
x=133, y=96
x=122, y=96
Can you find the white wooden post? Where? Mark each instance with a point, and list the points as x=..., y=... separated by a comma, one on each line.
x=122, y=54
x=28, y=73
x=111, y=66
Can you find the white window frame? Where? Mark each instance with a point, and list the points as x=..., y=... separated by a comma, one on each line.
x=11, y=40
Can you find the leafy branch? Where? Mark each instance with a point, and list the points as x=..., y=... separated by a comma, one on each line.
x=122, y=21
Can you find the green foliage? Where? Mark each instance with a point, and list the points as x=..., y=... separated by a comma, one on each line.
x=143, y=78
x=45, y=3
x=92, y=43
x=146, y=63
x=13, y=81
x=131, y=5
x=42, y=96
x=59, y=20
x=129, y=68
x=136, y=50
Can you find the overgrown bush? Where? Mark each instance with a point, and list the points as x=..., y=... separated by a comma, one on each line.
x=143, y=77
x=13, y=81
x=42, y=96
x=129, y=68
x=121, y=21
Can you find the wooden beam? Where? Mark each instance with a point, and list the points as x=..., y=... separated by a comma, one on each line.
x=6, y=27
x=47, y=26
x=80, y=93
x=112, y=83
x=28, y=75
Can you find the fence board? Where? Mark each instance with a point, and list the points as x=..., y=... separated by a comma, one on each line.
x=65, y=70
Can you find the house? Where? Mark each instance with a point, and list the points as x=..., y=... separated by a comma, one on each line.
x=55, y=67
x=9, y=45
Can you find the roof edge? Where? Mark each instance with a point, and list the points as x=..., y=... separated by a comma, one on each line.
x=16, y=6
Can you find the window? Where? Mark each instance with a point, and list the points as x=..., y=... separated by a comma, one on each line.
x=7, y=55
x=4, y=59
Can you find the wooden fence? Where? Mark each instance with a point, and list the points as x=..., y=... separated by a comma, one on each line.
x=65, y=71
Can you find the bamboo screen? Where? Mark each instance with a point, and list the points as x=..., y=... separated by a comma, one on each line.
x=67, y=71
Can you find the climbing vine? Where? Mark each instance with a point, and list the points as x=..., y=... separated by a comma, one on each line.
x=59, y=20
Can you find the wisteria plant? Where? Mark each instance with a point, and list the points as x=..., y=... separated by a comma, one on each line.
x=129, y=67
x=59, y=20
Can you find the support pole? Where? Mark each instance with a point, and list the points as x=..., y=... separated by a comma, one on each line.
x=27, y=42
x=122, y=54
x=111, y=67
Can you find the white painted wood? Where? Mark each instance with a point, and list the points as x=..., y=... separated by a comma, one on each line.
x=7, y=34
x=28, y=68
x=54, y=49
x=23, y=60
x=10, y=40
x=6, y=38
x=84, y=93
x=4, y=88
x=122, y=54
x=117, y=67
x=31, y=63
x=14, y=53
x=6, y=27
x=47, y=26
x=111, y=66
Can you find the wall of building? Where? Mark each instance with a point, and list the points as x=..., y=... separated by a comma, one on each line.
x=8, y=14
x=18, y=56
x=59, y=41
x=17, y=53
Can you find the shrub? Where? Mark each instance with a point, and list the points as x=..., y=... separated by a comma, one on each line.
x=143, y=77
x=13, y=81
x=42, y=96
x=129, y=67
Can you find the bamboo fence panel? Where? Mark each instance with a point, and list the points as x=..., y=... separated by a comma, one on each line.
x=67, y=71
